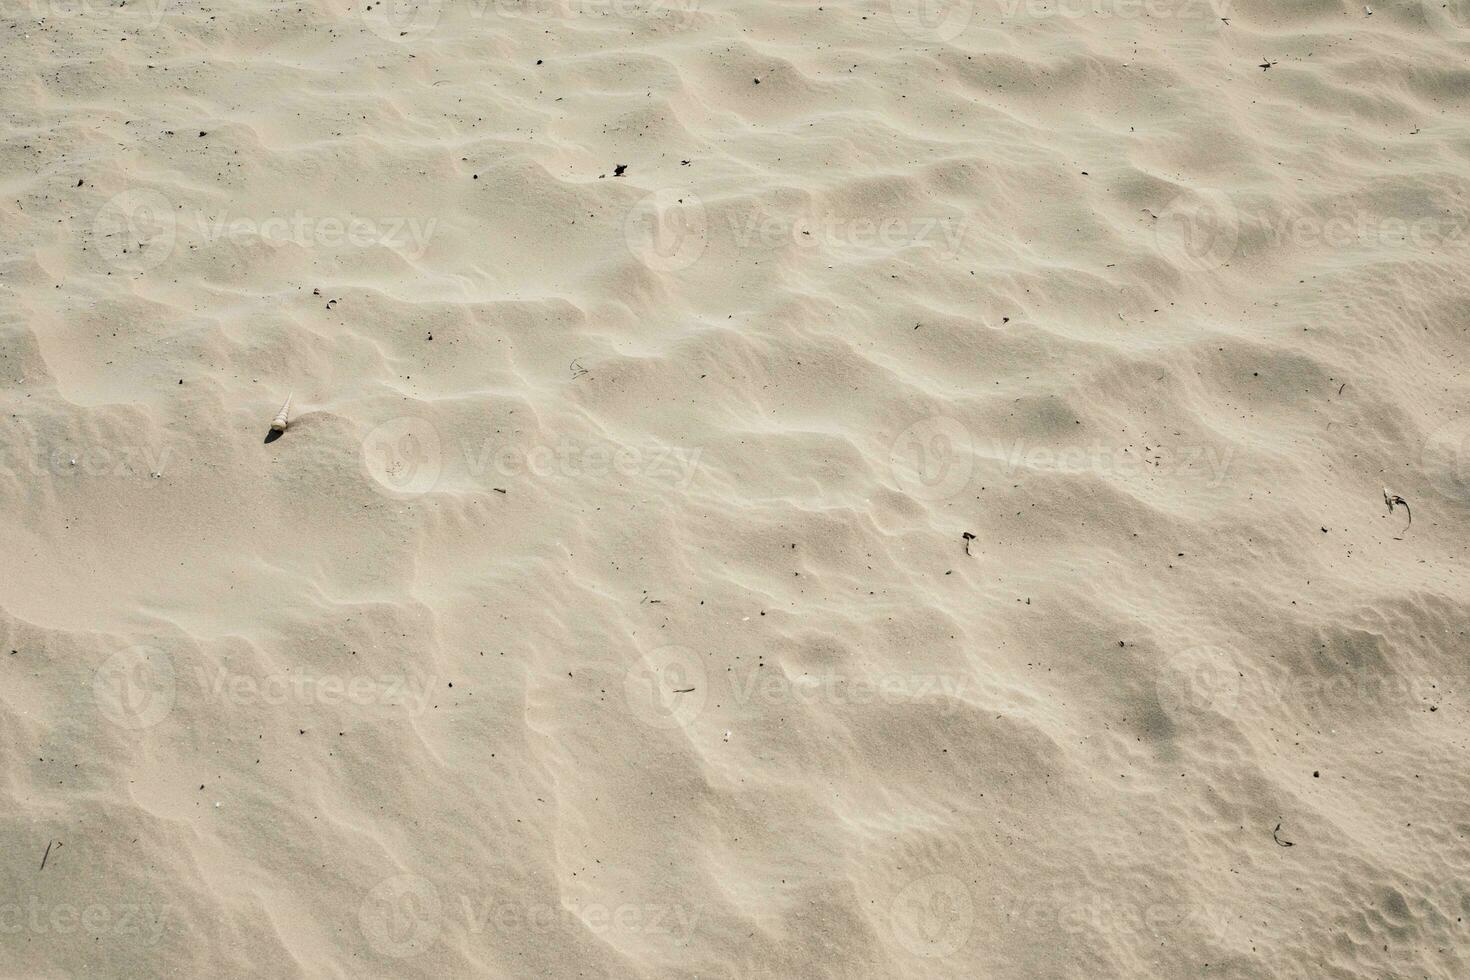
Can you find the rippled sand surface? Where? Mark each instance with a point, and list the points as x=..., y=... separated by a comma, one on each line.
x=773, y=489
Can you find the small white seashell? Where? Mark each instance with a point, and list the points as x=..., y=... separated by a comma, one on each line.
x=282, y=417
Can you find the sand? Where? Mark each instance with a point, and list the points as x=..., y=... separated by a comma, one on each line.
x=922, y=516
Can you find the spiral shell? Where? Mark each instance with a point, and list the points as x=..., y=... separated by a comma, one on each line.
x=282, y=417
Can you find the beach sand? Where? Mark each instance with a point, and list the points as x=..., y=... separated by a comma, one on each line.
x=772, y=489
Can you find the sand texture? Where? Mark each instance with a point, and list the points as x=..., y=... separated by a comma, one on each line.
x=772, y=490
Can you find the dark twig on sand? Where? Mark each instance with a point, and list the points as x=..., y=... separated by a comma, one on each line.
x=1277, y=839
x=1392, y=499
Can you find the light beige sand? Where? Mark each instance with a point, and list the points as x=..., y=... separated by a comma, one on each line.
x=605, y=610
